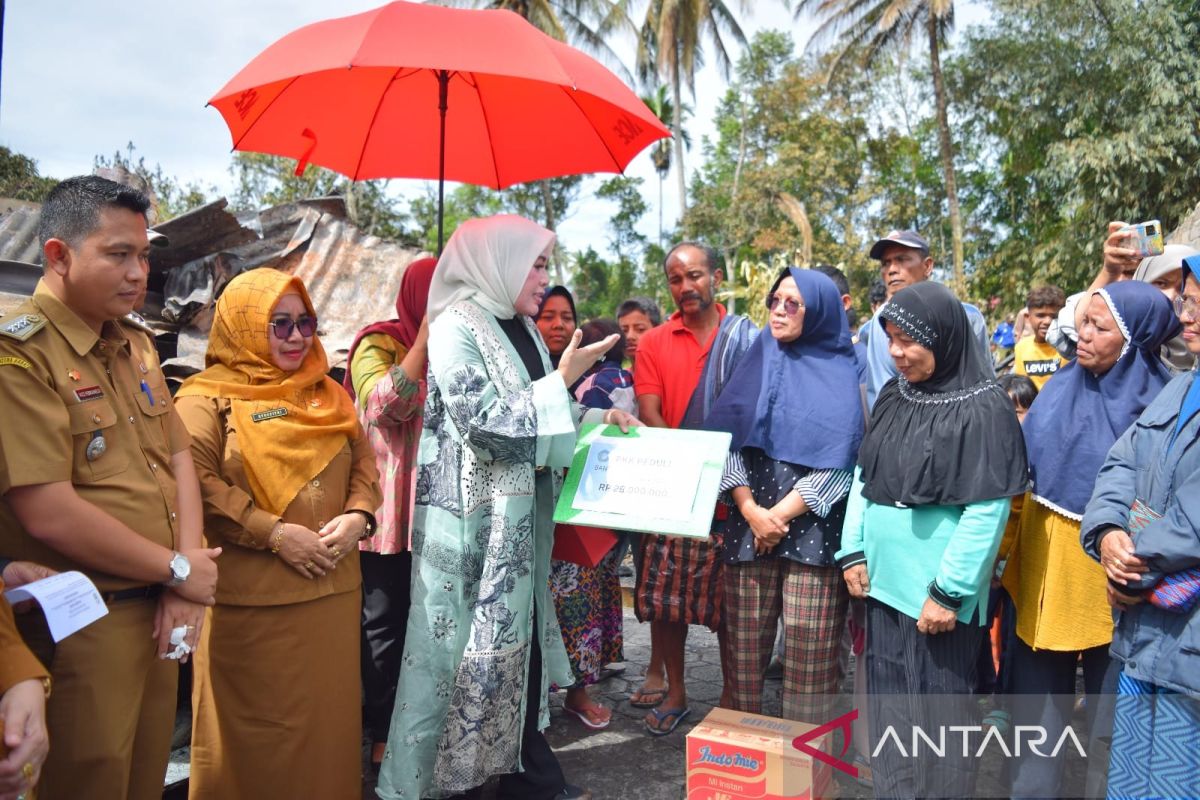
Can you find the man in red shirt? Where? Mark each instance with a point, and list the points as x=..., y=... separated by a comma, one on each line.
x=681, y=367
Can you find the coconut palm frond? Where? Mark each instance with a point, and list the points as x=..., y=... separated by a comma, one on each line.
x=794, y=210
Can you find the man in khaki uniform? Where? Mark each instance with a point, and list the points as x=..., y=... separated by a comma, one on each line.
x=97, y=476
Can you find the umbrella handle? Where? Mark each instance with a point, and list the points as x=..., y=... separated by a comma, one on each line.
x=302, y=164
x=443, y=77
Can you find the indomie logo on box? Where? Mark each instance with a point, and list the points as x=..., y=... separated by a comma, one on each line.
x=732, y=760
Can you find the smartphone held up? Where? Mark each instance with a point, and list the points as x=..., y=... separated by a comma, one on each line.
x=1145, y=237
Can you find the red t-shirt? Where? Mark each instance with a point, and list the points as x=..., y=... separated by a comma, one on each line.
x=669, y=364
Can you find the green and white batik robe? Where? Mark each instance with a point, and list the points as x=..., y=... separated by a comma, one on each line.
x=481, y=539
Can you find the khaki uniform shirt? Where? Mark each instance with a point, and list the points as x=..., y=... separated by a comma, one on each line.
x=92, y=410
x=250, y=574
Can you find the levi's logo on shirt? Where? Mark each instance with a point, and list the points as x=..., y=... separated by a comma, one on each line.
x=1047, y=366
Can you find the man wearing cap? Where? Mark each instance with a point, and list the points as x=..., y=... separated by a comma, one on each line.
x=96, y=476
x=904, y=259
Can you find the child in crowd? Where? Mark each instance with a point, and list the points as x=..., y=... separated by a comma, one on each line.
x=1033, y=355
x=994, y=661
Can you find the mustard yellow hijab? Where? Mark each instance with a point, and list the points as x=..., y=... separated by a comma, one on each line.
x=290, y=425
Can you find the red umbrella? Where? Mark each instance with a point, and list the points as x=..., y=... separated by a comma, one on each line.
x=367, y=95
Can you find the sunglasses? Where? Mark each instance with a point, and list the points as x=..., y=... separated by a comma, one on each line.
x=790, y=307
x=284, y=326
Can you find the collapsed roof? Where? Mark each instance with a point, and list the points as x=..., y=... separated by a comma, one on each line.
x=352, y=277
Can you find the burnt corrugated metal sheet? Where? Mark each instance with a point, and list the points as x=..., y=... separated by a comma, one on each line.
x=353, y=278
x=18, y=231
x=195, y=234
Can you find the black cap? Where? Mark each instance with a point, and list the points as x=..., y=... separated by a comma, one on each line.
x=903, y=238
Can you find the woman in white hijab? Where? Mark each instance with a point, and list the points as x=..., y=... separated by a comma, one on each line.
x=483, y=643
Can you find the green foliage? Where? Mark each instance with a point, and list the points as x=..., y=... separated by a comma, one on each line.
x=466, y=201
x=793, y=170
x=170, y=196
x=624, y=238
x=599, y=286
x=1089, y=110
x=262, y=180
x=20, y=179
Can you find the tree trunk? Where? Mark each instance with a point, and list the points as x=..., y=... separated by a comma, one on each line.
x=947, y=151
x=677, y=129
x=660, y=210
x=548, y=201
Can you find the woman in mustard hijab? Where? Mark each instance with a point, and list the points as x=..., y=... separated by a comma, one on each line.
x=290, y=486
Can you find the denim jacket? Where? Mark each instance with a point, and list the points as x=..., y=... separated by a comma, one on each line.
x=1157, y=646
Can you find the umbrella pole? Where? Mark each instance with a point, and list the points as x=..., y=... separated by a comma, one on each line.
x=443, y=77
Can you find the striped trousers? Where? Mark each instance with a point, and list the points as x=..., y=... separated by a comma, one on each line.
x=915, y=679
x=812, y=603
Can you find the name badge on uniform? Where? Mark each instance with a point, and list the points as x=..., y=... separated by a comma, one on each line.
x=274, y=413
x=86, y=393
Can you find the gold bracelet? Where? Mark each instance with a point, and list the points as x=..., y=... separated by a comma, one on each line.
x=276, y=539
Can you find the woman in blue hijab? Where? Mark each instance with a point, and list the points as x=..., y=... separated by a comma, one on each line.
x=794, y=409
x=1059, y=592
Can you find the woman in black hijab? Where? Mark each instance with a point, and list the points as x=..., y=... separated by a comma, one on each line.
x=943, y=455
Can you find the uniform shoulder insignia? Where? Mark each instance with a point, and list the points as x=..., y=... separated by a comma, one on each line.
x=136, y=320
x=22, y=326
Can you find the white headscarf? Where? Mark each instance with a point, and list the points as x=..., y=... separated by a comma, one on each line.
x=487, y=260
x=1156, y=266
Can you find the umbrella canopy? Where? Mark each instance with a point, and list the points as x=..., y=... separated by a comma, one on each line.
x=360, y=95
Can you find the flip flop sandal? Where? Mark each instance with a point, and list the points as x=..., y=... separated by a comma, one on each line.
x=586, y=720
x=610, y=672
x=661, y=694
x=660, y=716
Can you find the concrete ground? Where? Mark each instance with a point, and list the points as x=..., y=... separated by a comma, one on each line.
x=623, y=762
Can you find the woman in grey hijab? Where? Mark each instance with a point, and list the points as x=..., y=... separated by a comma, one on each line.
x=1165, y=273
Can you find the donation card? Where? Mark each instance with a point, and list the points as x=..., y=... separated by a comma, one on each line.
x=656, y=480
x=69, y=601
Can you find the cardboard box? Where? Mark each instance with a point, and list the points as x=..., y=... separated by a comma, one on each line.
x=736, y=756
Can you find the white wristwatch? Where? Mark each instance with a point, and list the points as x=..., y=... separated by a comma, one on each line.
x=181, y=568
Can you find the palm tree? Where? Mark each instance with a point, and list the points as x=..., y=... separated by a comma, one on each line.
x=660, y=151
x=862, y=30
x=588, y=24
x=670, y=48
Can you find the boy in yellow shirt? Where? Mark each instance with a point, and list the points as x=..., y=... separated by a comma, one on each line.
x=1033, y=355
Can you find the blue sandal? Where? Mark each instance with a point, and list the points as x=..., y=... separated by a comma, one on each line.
x=661, y=715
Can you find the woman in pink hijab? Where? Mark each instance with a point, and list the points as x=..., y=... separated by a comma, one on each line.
x=386, y=377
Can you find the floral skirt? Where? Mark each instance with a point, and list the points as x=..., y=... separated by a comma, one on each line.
x=588, y=603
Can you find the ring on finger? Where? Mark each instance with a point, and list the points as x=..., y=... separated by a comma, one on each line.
x=308, y=565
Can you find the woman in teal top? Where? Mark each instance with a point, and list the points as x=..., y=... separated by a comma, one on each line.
x=943, y=455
